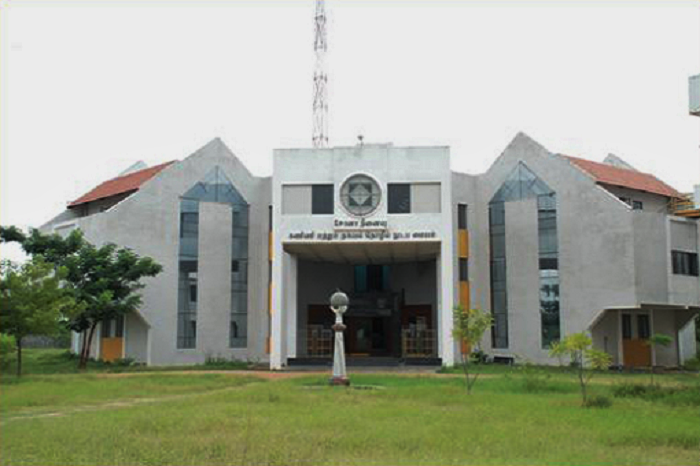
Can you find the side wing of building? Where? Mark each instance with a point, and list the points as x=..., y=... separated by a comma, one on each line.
x=205, y=219
x=552, y=251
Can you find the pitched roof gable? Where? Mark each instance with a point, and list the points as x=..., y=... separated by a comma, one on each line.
x=607, y=174
x=130, y=182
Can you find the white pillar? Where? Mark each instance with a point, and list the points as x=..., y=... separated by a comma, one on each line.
x=445, y=287
x=290, y=304
x=276, y=329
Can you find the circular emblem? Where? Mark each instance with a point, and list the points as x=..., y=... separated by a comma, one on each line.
x=360, y=195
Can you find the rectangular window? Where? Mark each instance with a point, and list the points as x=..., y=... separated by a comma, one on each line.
x=462, y=216
x=399, y=198
x=643, y=327
x=360, y=279
x=321, y=199
x=637, y=205
x=684, y=263
x=369, y=278
x=107, y=328
x=463, y=270
x=119, y=326
x=626, y=326
x=193, y=292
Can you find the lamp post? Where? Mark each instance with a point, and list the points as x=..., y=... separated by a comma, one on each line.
x=339, y=304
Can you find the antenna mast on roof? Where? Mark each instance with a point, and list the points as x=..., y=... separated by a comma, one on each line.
x=320, y=134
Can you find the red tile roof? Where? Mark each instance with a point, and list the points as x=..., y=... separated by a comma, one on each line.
x=608, y=174
x=122, y=184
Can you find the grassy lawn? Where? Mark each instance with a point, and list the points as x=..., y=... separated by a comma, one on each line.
x=232, y=418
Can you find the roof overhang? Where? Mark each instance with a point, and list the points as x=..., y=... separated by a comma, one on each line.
x=365, y=252
x=691, y=310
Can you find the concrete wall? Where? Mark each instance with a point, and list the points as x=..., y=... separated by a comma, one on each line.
x=683, y=235
x=148, y=223
x=596, y=253
x=652, y=202
x=136, y=338
x=651, y=257
x=609, y=255
x=663, y=322
x=522, y=275
x=386, y=164
x=607, y=337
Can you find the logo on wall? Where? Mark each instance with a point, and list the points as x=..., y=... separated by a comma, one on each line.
x=360, y=195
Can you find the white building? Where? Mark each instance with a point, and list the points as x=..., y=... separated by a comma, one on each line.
x=549, y=244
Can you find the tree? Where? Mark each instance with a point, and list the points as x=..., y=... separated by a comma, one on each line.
x=558, y=349
x=469, y=328
x=578, y=347
x=104, y=281
x=11, y=234
x=656, y=340
x=32, y=301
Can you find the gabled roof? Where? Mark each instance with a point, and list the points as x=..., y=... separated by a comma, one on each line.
x=120, y=185
x=607, y=174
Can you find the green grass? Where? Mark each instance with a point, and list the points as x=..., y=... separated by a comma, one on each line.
x=196, y=419
x=60, y=361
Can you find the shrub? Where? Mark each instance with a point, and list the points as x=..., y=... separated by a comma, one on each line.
x=692, y=364
x=533, y=379
x=8, y=351
x=630, y=390
x=598, y=401
x=674, y=396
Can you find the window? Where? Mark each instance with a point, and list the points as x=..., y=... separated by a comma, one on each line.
x=371, y=278
x=322, y=199
x=463, y=269
x=238, y=332
x=643, y=327
x=499, y=298
x=637, y=205
x=626, y=326
x=684, y=263
x=216, y=187
x=399, y=198
x=462, y=216
x=522, y=183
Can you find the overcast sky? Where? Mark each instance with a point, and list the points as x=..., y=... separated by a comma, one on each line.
x=88, y=88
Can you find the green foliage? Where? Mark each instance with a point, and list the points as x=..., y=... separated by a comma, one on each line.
x=533, y=379
x=104, y=281
x=579, y=347
x=8, y=347
x=673, y=396
x=558, y=350
x=11, y=234
x=33, y=301
x=657, y=339
x=469, y=327
x=692, y=364
x=598, y=401
x=216, y=419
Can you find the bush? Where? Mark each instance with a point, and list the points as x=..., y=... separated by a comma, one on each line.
x=630, y=390
x=692, y=364
x=533, y=379
x=478, y=357
x=674, y=396
x=598, y=401
x=8, y=351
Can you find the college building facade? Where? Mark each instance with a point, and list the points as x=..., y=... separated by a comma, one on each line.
x=549, y=244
